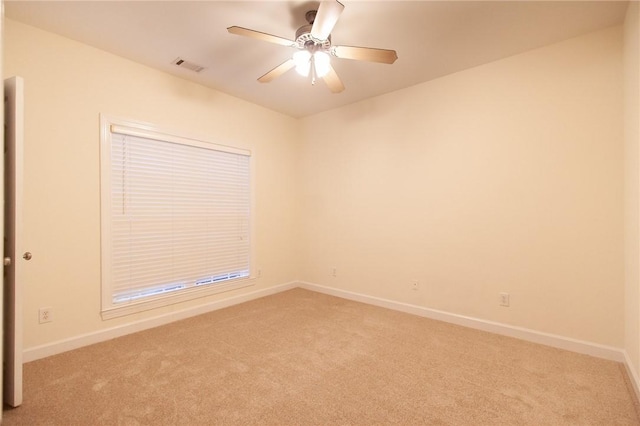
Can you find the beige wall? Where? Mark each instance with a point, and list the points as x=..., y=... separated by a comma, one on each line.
x=506, y=177
x=67, y=86
x=632, y=182
x=502, y=178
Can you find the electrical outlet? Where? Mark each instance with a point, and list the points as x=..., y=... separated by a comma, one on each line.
x=415, y=285
x=45, y=315
x=334, y=272
x=259, y=272
x=504, y=299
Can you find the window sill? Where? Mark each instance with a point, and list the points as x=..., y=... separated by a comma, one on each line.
x=173, y=298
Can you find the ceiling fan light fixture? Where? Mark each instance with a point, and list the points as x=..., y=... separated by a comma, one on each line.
x=319, y=60
x=302, y=59
x=321, y=63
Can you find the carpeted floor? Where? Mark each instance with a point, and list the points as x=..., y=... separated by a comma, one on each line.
x=304, y=358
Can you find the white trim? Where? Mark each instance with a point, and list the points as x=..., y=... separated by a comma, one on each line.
x=53, y=348
x=561, y=342
x=633, y=375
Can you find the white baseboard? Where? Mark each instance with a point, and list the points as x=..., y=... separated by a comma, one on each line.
x=633, y=374
x=561, y=342
x=53, y=348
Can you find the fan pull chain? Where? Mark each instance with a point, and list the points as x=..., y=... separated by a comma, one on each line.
x=313, y=70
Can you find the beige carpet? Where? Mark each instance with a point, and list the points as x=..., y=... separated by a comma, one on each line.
x=303, y=358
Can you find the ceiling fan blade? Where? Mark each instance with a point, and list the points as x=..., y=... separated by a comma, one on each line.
x=333, y=81
x=326, y=18
x=278, y=71
x=370, y=54
x=261, y=36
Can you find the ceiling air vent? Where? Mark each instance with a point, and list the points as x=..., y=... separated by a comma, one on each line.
x=188, y=65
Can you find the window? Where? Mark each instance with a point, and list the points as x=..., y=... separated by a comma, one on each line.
x=176, y=218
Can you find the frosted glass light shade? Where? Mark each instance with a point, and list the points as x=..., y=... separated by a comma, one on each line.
x=322, y=63
x=302, y=58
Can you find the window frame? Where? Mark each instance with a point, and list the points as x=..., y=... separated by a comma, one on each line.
x=111, y=310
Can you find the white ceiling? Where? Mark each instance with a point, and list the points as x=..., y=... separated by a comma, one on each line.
x=432, y=38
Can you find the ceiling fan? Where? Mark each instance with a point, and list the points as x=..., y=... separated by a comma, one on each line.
x=314, y=49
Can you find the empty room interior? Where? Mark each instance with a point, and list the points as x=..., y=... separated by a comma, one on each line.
x=441, y=227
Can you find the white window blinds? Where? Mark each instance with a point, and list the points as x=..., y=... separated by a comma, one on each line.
x=179, y=215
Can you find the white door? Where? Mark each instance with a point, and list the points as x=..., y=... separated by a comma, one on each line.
x=13, y=254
